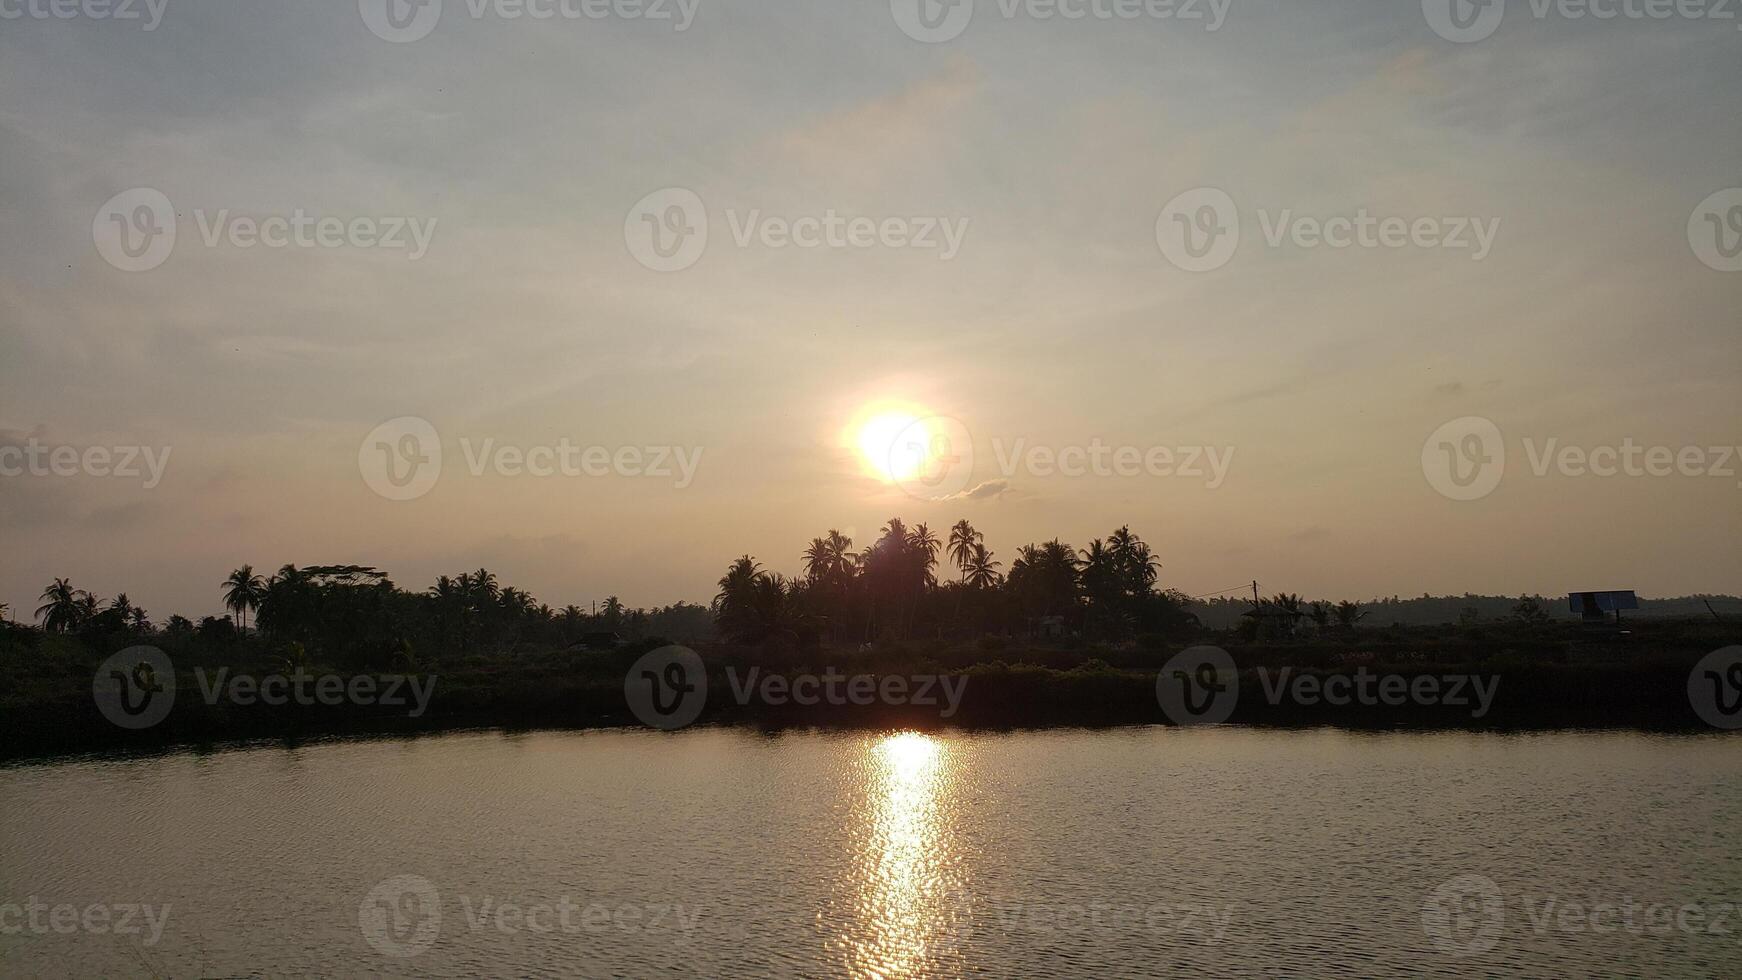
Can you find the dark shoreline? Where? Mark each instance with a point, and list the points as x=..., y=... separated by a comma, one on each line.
x=1646, y=697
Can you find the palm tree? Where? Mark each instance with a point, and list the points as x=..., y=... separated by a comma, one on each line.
x=962, y=540
x=449, y=598
x=1101, y=581
x=129, y=615
x=816, y=559
x=925, y=544
x=734, y=603
x=243, y=591
x=1348, y=614
x=830, y=565
x=4, y=611
x=62, y=606
x=980, y=571
x=1133, y=562
x=613, y=612
x=484, y=586
x=1044, y=578
x=287, y=605
x=571, y=619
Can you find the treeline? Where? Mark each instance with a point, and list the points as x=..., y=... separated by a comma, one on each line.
x=1230, y=612
x=355, y=616
x=907, y=584
x=896, y=588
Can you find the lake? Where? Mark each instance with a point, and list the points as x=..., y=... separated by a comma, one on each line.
x=1221, y=852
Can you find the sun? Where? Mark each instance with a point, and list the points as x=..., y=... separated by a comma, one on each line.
x=895, y=443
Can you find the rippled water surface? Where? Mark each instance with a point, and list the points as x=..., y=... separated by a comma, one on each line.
x=1139, y=852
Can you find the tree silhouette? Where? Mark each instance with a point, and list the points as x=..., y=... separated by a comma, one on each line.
x=613, y=612
x=243, y=591
x=63, y=607
x=963, y=537
x=1348, y=614
x=980, y=571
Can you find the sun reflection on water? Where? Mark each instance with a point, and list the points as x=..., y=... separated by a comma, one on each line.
x=908, y=893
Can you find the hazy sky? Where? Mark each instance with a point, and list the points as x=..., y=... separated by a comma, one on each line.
x=1051, y=146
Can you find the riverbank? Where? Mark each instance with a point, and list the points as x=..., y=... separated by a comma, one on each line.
x=1548, y=678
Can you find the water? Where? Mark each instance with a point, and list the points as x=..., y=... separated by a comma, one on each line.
x=1137, y=852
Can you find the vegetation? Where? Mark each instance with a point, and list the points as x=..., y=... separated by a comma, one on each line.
x=1058, y=636
x=891, y=591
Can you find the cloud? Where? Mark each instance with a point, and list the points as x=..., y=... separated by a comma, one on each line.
x=897, y=125
x=990, y=490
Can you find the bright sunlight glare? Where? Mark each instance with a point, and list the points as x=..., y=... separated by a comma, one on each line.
x=896, y=444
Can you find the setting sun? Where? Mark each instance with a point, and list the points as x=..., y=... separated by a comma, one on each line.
x=896, y=443
x=880, y=443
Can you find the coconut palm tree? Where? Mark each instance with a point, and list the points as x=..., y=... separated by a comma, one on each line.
x=62, y=606
x=1135, y=566
x=830, y=566
x=962, y=540
x=484, y=587
x=734, y=604
x=287, y=605
x=243, y=591
x=1102, y=582
x=817, y=560
x=1348, y=614
x=925, y=544
x=449, y=598
x=980, y=571
x=571, y=618
x=1044, y=578
x=127, y=614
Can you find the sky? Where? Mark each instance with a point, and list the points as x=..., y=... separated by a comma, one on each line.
x=1422, y=410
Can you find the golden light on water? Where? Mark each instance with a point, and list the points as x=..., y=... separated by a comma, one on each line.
x=908, y=901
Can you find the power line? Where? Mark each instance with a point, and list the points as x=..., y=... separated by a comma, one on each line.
x=1237, y=588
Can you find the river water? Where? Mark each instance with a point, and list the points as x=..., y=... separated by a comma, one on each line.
x=1219, y=852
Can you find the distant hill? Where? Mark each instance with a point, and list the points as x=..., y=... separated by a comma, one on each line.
x=1426, y=610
